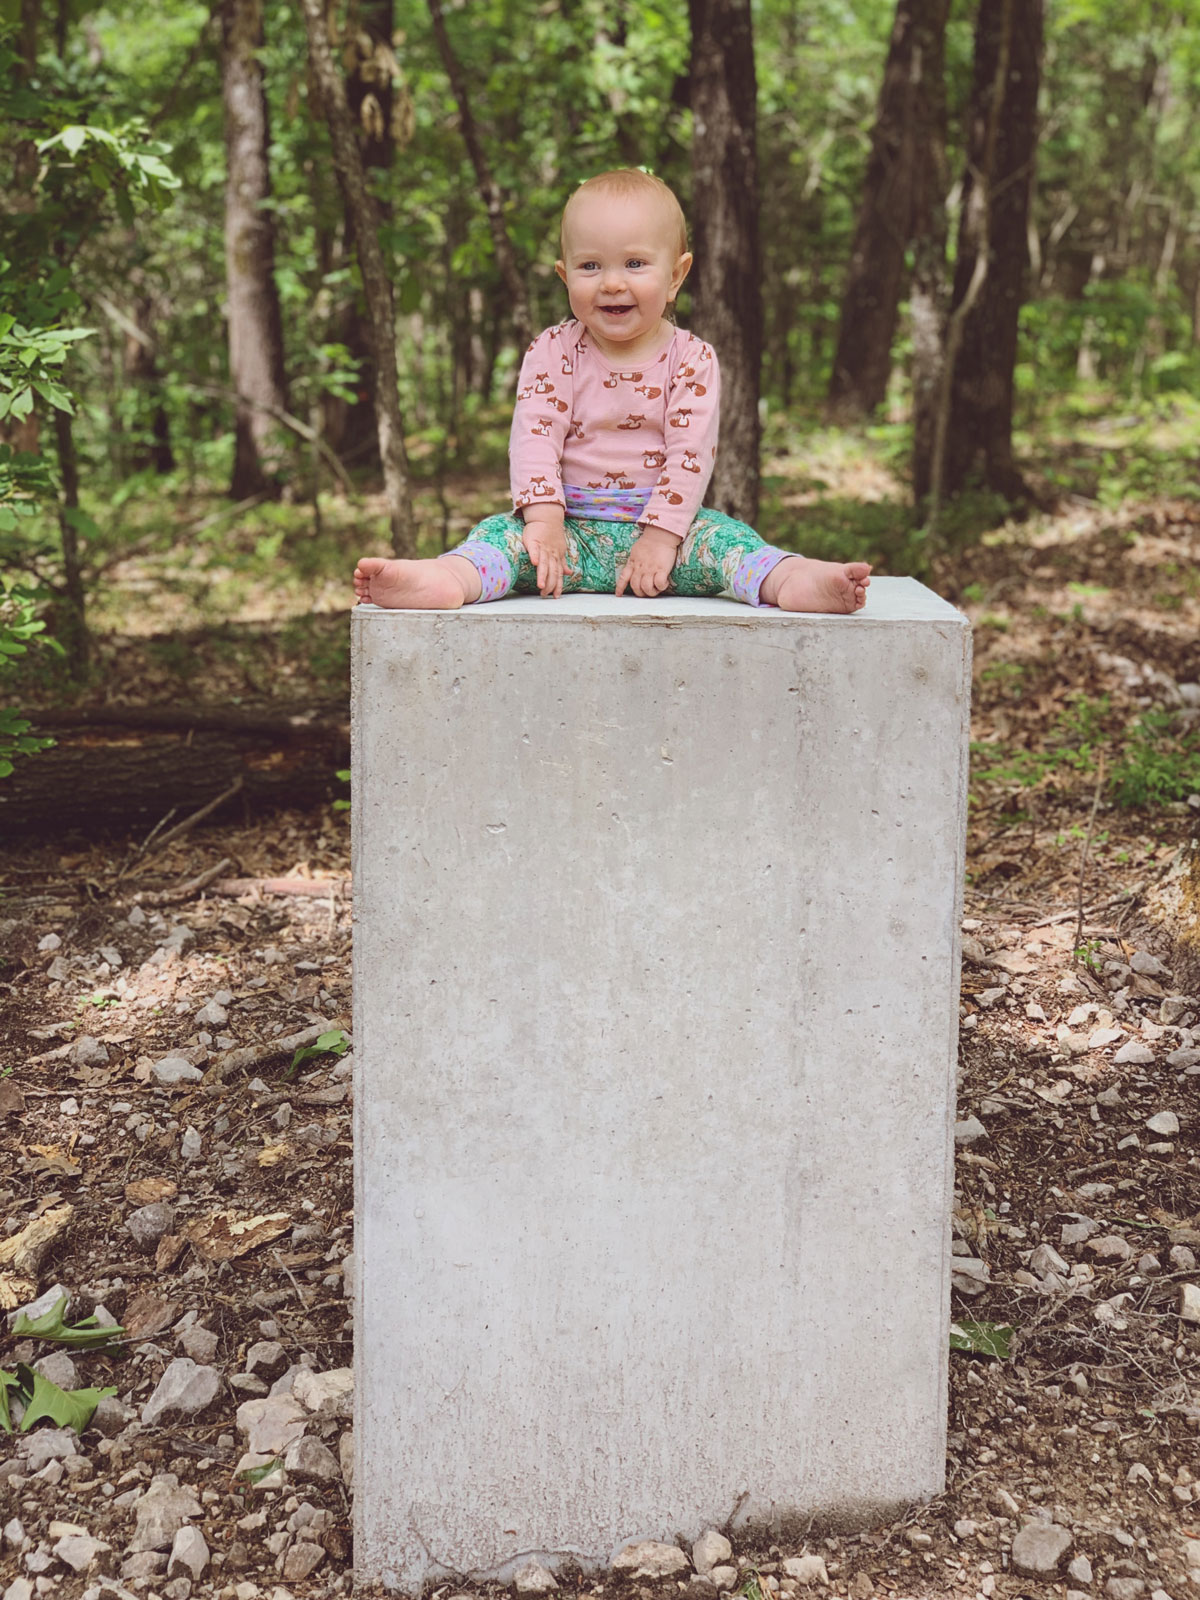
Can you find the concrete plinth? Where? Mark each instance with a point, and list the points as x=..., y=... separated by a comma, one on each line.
x=656, y=979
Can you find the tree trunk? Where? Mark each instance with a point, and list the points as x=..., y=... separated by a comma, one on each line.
x=255, y=323
x=489, y=189
x=727, y=289
x=98, y=779
x=993, y=252
x=376, y=284
x=141, y=369
x=73, y=632
x=901, y=191
x=369, y=96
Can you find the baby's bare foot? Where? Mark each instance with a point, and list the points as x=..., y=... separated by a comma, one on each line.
x=408, y=585
x=799, y=584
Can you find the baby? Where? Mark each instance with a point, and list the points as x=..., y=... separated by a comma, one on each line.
x=614, y=436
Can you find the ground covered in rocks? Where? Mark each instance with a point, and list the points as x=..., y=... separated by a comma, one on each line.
x=167, y=1163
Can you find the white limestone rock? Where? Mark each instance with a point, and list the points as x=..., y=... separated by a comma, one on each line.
x=807, y=1569
x=1148, y=966
x=189, y=1552
x=968, y=1132
x=174, y=1070
x=161, y=1512
x=79, y=1551
x=302, y=1559
x=711, y=1549
x=723, y=1577
x=331, y=1391
x=1080, y=1570
x=533, y=1578
x=199, y=1343
x=1163, y=1123
x=45, y=1445
x=271, y=1424
x=148, y=1224
x=968, y=1275
x=647, y=1558
x=1189, y=1302
x=58, y=1368
x=184, y=1390
x=1038, y=1549
x=1135, y=1053
x=308, y=1459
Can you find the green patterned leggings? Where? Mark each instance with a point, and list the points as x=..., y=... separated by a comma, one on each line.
x=718, y=556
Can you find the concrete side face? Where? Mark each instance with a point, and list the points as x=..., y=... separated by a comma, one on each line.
x=656, y=994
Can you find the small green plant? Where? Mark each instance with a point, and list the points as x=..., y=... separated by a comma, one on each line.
x=982, y=1339
x=342, y=777
x=752, y=1586
x=334, y=1043
x=1088, y=955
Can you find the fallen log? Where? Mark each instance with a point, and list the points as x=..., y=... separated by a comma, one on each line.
x=111, y=770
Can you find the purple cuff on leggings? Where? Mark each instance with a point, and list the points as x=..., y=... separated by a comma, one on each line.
x=752, y=569
x=495, y=574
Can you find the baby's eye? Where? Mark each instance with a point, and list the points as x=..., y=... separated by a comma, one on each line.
x=635, y=261
x=589, y=266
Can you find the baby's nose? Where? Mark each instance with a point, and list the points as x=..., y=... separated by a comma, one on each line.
x=612, y=278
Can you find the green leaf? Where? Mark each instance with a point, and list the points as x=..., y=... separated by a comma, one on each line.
x=982, y=1339
x=253, y=1475
x=8, y=1380
x=86, y=1335
x=66, y=1408
x=73, y=140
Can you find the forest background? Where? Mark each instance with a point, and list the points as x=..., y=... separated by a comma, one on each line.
x=949, y=254
x=266, y=270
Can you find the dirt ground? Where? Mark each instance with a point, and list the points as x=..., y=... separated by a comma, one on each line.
x=1071, y=1046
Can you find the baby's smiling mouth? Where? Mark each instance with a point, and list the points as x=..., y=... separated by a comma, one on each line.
x=615, y=311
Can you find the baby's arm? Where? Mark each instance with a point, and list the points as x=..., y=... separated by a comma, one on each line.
x=693, y=416
x=539, y=427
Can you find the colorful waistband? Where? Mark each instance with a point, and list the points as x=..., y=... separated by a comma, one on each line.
x=606, y=505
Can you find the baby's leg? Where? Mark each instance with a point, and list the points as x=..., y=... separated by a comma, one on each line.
x=722, y=555
x=483, y=567
x=800, y=584
x=443, y=584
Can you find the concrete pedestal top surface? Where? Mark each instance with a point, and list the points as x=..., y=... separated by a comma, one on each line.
x=656, y=986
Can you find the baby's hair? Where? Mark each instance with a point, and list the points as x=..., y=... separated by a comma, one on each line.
x=627, y=181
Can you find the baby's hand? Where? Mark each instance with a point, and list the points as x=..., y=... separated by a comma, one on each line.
x=545, y=538
x=651, y=559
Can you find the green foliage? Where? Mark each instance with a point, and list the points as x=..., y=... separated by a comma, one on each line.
x=982, y=1339
x=44, y=1401
x=335, y=1042
x=86, y=1335
x=19, y=624
x=1152, y=761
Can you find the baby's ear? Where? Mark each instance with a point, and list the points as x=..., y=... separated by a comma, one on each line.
x=682, y=267
x=560, y=268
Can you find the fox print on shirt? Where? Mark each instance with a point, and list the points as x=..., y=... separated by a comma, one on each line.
x=578, y=427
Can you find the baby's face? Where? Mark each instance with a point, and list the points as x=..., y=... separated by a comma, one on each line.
x=621, y=265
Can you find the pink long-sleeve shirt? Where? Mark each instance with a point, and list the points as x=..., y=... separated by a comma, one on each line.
x=634, y=444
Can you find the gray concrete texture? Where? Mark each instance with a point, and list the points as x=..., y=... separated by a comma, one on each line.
x=656, y=991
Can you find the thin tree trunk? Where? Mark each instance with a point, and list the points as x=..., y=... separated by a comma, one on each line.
x=897, y=204
x=141, y=369
x=369, y=96
x=74, y=632
x=27, y=37
x=929, y=288
x=255, y=322
x=992, y=262
x=376, y=284
x=727, y=289
x=489, y=189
